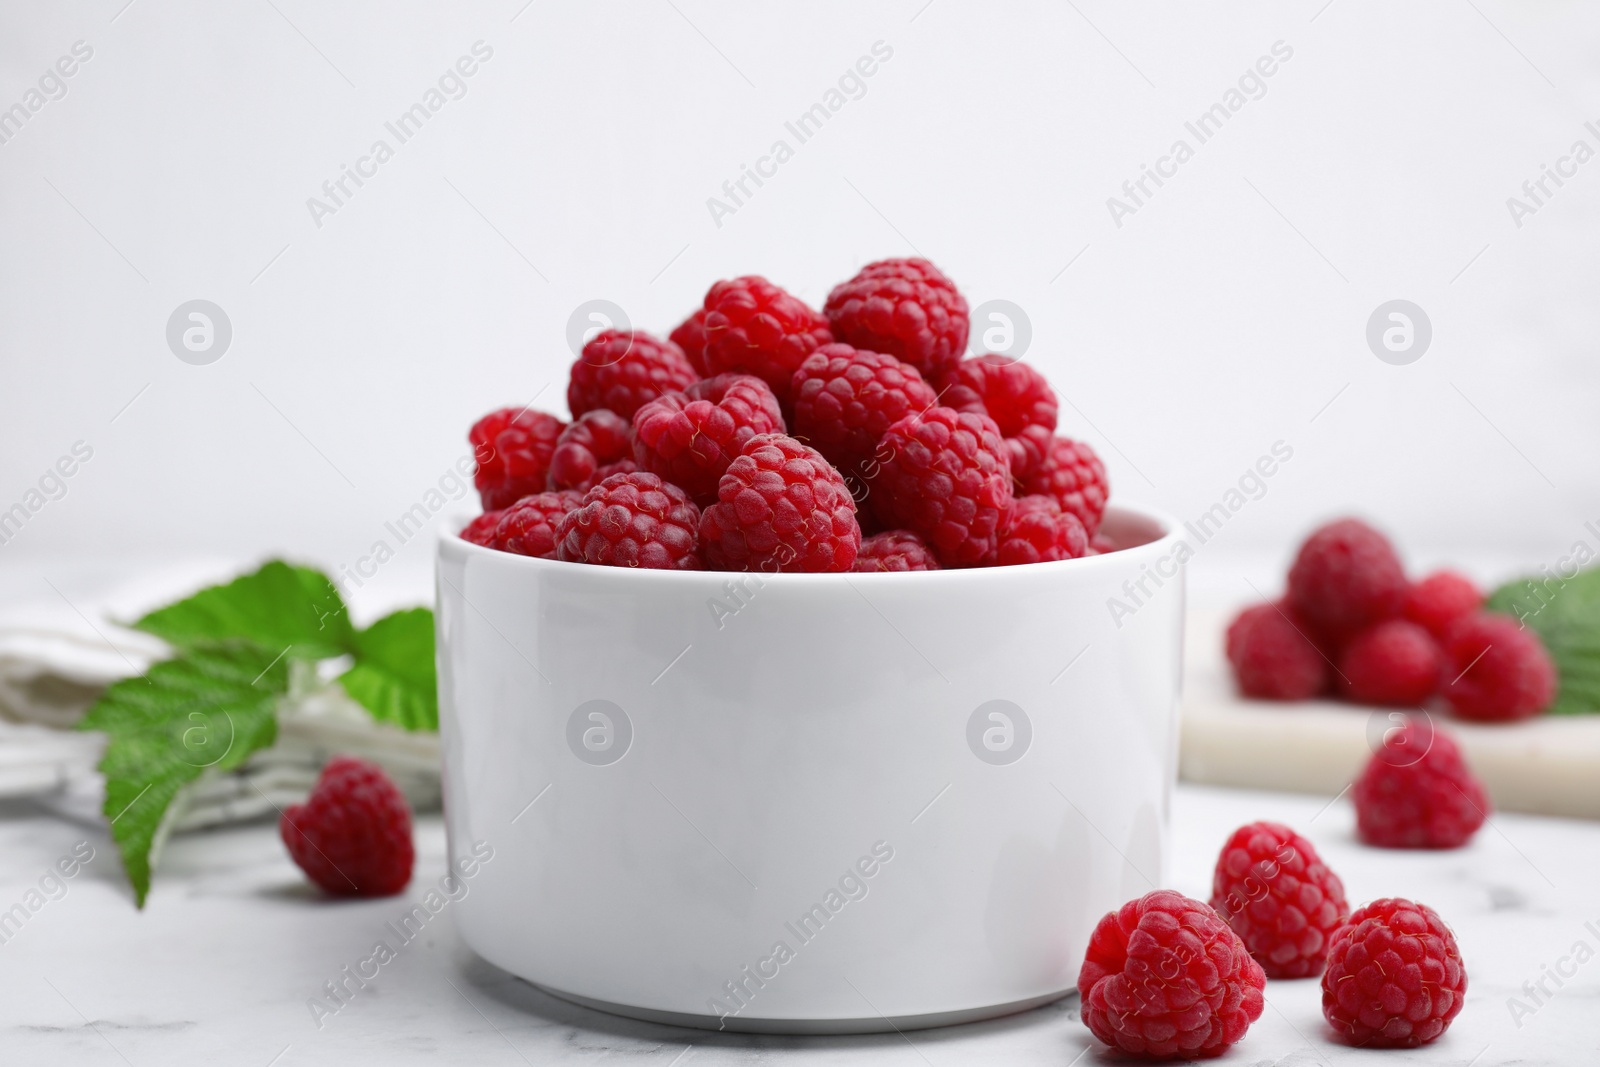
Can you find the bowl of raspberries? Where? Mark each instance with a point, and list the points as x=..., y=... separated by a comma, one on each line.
x=782, y=677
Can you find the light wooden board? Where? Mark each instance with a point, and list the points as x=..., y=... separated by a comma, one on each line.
x=1549, y=765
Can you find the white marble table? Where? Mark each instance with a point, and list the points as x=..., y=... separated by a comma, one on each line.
x=219, y=967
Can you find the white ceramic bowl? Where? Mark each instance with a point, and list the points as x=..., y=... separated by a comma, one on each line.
x=807, y=803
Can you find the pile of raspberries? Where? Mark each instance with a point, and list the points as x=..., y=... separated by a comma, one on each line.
x=1167, y=977
x=764, y=435
x=1353, y=626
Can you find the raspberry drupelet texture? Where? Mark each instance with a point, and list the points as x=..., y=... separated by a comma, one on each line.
x=895, y=550
x=621, y=370
x=754, y=327
x=845, y=398
x=781, y=507
x=632, y=520
x=1029, y=448
x=1273, y=657
x=1165, y=978
x=689, y=438
x=513, y=448
x=1280, y=898
x=1395, y=977
x=591, y=442
x=1417, y=790
x=1011, y=393
x=1395, y=663
x=946, y=476
x=480, y=531
x=1346, y=577
x=1036, y=530
x=1440, y=600
x=352, y=836
x=904, y=307
x=528, y=527
x=1071, y=472
x=690, y=336
x=1497, y=671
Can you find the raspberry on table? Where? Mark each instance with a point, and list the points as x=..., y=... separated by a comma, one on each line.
x=1395, y=663
x=352, y=836
x=622, y=370
x=528, y=527
x=1012, y=393
x=593, y=440
x=1272, y=656
x=513, y=448
x=781, y=507
x=754, y=327
x=689, y=438
x=1036, y=530
x=632, y=520
x=895, y=550
x=690, y=335
x=480, y=531
x=1165, y=978
x=1071, y=472
x=903, y=307
x=1497, y=671
x=1280, y=898
x=845, y=398
x=946, y=476
x=1440, y=600
x=1346, y=577
x=1395, y=977
x=1417, y=790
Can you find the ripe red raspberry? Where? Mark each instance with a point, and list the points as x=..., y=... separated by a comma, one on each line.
x=1440, y=599
x=513, y=448
x=689, y=438
x=895, y=550
x=480, y=531
x=528, y=527
x=632, y=520
x=690, y=336
x=1417, y=791
x=624, y=369
x=781, y=507
x=1395, y=663
x=1273, y=657
x=352, y=836
x=1395, y=977
x=1036, y=530
x=1028, y=448
x=1165, y=978
x=1497, y=671
x=1280, y=898
x=1072, y=473
x=1345, y=578
x=946, y=476
x=904, y=307
x=1011, y=393
x=845, y=398
x=1100, y=544
x=590, y=442
x=753, y=327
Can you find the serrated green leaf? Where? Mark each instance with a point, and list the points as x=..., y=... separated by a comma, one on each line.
x=1565, y=613
x=280, y=606
x=211, y=706
x=393, y=676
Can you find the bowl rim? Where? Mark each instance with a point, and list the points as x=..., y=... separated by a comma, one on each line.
x=450, y=541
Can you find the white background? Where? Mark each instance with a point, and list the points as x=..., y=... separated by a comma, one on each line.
x=1227, y=314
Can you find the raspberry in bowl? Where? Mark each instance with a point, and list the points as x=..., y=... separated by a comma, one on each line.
x=762, y=746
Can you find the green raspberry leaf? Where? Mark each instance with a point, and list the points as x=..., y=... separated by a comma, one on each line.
x=394, y=676
x=1565, y=613
x=211, y=706
x=280, y=606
